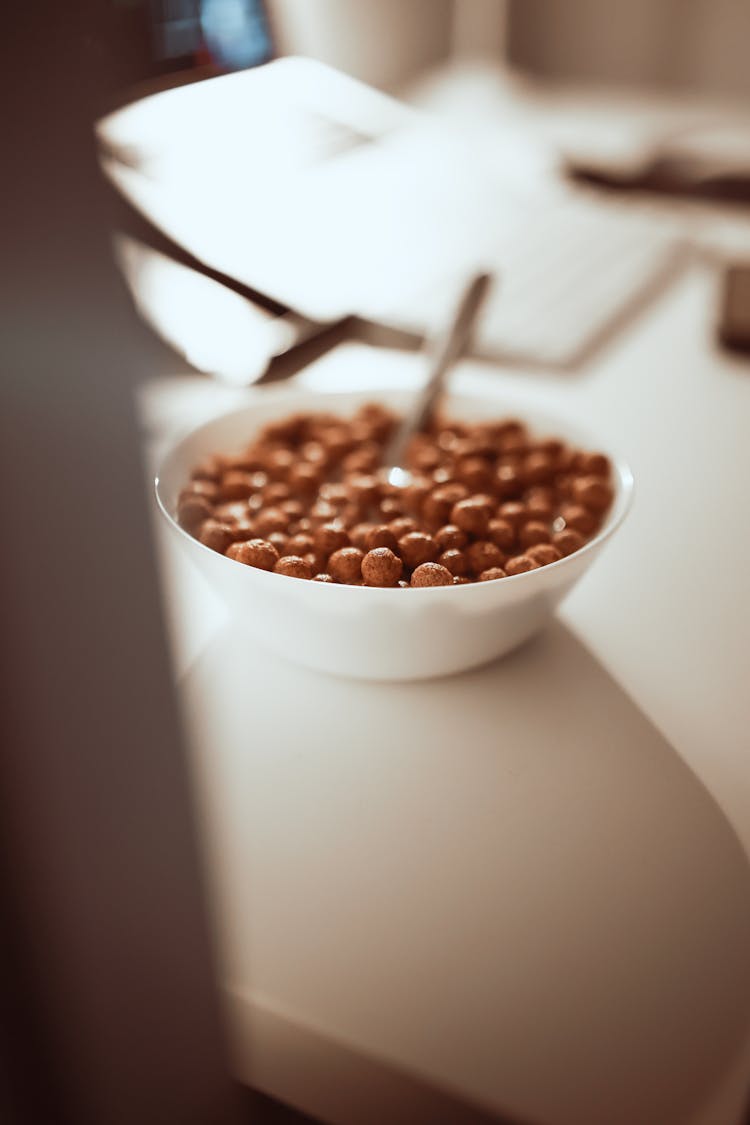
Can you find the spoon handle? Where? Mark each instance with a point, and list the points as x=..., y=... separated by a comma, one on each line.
x=446, y=349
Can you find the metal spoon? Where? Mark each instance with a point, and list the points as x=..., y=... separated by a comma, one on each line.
x=446, y=349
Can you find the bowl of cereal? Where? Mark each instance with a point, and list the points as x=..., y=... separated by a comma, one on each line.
x=284, y=506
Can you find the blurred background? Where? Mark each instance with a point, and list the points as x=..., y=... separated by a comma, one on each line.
x=695, y=46
x=579, y=151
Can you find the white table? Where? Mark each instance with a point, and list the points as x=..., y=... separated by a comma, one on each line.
x=525, y=888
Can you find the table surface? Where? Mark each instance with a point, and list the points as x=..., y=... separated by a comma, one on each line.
x=523, y=889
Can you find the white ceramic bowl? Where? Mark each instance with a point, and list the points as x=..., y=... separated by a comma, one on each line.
x=371, y=633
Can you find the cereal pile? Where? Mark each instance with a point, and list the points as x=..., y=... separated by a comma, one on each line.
x=306, y=498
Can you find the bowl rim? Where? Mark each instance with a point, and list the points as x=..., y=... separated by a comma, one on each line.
x=287, y=394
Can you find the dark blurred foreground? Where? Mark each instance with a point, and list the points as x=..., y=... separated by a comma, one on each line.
x=109, y=1006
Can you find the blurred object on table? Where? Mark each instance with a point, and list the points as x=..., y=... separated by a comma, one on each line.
x=571, y=271
x=178, y=35
x=266, y=176
x=734, y=314
x=236, y=33
x=710, y=162
x=217, y=330
x=332, y=199
x=323, y=194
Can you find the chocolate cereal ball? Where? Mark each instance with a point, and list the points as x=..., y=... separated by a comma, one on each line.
x=424, y=458
x=305, y=477
x=417, y=548
x=390, y=508
x=292, y=508
x=232, y=511
x=236, y=485
x=318, y=562
x=508, y=481
x=363, y=460
x=218, y=536
x=475, y=473
x=501, y=533
x=294, y=567
x=210, y=469
x=450, y=538
x=568, y=541
x=358, y=535
x=491, y=574
x=471, y=515
x=436, y=510
x=278, y=463
x=275, y=493
x=336, y=494
x=381, y=536
x=381, y=567
x=539, y=505
x=514, y=513
x=520, y=564
x=364, y=488
x=322, y=577
x=207, y=488
x=431, y=574
x=280, y=541
x=544, y=554
x=483, y=555
x=321, y=512
x=579, y=518
x=454, y=561
x=241, y=530
x=563, y=486
x=345, y=565
x=593, y=464
x=452, y=491
x=300, y=544
x=538, y=468
x=329, y=538
x=271, y=519
x=314, y=452
x=489, y=501
x=513, y=439
x=403, y=525
x=415, y=494
x=553, y=447
x=192, y=511
x=336, y=438
x=532, y=533
x=592, y=493
x=254, y=552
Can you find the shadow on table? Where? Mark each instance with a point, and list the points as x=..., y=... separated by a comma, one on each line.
x=506, y=880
